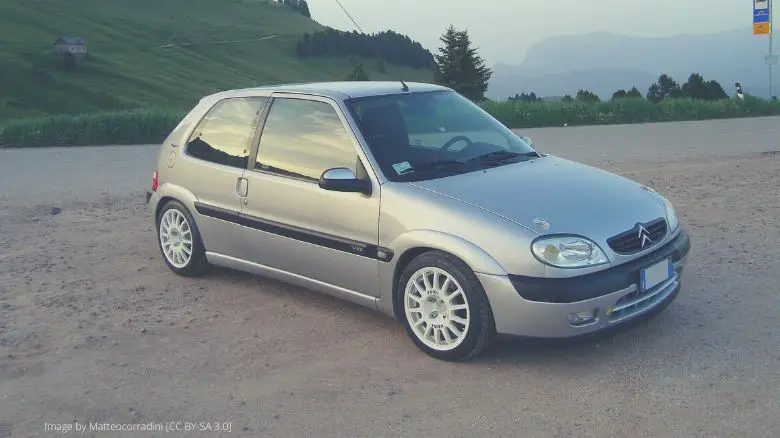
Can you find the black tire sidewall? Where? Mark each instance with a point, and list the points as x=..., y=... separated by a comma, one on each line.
x=197, y=264
x=481, y=327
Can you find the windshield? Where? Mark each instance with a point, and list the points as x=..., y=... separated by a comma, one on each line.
x=419, y=136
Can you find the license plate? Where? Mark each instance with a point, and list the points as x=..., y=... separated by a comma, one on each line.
x=656, y=274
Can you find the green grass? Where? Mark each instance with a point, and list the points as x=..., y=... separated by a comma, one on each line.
x=127, y=68
x=152, y=125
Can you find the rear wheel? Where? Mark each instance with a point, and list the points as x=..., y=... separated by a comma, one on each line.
x=179, y=240
x=446, y=312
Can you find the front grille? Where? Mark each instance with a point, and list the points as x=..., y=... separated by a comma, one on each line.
x=631, y=241
x=639, y=301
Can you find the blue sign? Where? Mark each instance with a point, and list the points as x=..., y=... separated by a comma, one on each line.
x=760, y=11
x=761, y=16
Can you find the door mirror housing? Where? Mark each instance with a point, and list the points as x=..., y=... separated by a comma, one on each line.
x=341, y=179
x=527, y=140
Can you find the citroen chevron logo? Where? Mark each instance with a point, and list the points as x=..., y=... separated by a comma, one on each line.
x=644, y=235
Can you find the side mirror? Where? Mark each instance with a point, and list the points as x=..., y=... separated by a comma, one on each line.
x=528, y=140
x=341, y=179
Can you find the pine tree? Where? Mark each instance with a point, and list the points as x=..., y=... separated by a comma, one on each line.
x=303, y=7
x=460, y=67
x=619, y=94
x=654, y=93
x=633, y=92
x=695, y=88
x=586, y=96
x=358, y=74
x=715, y=91
x=447, y=59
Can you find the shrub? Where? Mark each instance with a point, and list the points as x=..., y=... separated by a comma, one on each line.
x=520, y=114
x=144, y=126
x=120, y=127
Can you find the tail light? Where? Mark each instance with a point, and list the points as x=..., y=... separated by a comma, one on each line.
x=154, y=180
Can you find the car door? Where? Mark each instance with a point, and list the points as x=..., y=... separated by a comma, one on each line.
x=293, y=225
x=216, y=155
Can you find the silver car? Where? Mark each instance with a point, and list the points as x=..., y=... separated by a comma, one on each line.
x=411, y=200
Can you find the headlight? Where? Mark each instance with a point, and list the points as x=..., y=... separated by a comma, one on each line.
x=671, y=215
x=568, y=252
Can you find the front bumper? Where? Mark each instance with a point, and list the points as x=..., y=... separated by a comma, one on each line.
x=537, y=307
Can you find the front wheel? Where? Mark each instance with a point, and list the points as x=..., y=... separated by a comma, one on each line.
x=446, y=311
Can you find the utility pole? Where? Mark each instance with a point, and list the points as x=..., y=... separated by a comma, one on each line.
x=762, y=25
x=771, y=59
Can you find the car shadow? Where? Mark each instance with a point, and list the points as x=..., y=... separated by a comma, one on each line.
x=600, y=347
x=298, y=295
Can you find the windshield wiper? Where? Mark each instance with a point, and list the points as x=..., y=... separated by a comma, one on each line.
x=439, y=164
x=501, y=156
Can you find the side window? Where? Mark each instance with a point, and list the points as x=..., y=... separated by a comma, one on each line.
x=303, y=138
x=225, y=134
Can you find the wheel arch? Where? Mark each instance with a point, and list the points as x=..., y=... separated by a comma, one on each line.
x=167, y=192
x=197, y=264
x=414, y=243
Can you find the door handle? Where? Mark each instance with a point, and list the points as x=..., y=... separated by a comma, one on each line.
x=242, y=187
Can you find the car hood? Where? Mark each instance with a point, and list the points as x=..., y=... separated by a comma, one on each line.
x=551, y=195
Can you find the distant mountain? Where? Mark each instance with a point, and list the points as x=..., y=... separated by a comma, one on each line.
x=605, y=62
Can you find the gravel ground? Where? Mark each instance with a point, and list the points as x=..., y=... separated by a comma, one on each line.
x=94, y=327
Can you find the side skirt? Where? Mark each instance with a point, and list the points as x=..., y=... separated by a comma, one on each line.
x=295, y=279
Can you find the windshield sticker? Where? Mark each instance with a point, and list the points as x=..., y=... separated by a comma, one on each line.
x=402, y=167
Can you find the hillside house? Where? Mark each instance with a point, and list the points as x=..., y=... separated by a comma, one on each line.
x=73, y=45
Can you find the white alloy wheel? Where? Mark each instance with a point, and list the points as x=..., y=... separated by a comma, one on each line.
x=437, y=308
x=176, y=238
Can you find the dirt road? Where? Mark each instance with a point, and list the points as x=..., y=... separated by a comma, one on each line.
x=94, y=327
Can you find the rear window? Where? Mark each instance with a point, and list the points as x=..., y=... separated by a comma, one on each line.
x=225, y=133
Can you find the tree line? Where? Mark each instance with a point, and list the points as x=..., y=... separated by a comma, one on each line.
x=390, y=46
x=664, y=88
x=695, y=88
x=299, y=5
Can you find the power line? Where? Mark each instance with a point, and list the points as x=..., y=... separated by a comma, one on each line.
x=350, y=17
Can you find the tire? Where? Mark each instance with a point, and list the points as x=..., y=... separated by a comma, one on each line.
x=452, y=300
x=177, y=233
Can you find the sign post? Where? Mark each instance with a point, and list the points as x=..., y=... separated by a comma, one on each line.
x=762, y=25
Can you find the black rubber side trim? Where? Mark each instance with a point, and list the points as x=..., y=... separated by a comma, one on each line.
x=585, y=287
x=216, y=212
x=316, y=238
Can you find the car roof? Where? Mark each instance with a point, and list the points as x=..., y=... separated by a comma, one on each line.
x=335, y=90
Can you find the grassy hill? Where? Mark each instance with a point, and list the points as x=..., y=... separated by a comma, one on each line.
x=135, y=59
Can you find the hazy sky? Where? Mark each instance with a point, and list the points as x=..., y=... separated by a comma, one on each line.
x=504, y=29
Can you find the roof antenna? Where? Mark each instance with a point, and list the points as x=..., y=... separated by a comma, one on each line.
x=405, y=87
